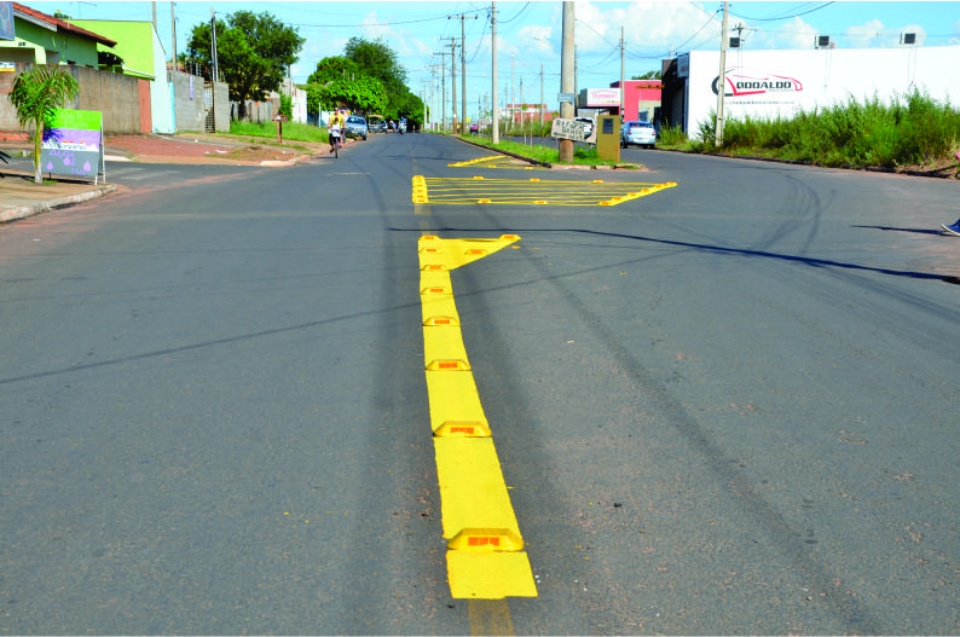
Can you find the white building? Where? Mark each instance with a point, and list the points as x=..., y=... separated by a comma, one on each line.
x=768, y=84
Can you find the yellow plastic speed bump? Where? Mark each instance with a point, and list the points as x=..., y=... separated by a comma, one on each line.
x=473, y=495
x=490, y=574
x=435, y=290
x=434, y=267
x=484, y=201
x=486, y=540
x=455, y=408
x=434, y=321
x=448, y=366
x=540, y=202
x=478, y=177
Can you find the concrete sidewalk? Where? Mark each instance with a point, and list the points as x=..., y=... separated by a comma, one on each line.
x=20, y=197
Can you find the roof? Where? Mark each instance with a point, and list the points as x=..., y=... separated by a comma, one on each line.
x=135, y=42
x=60, y=25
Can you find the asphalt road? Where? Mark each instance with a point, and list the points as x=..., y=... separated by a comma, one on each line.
x=726, y=407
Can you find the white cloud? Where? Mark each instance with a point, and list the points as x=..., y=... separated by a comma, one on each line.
x=865, y=35
x=534, y=39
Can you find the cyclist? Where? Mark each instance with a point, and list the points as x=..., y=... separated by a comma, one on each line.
x=335, y=128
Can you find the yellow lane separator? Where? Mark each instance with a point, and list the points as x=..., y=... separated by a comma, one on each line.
x=553, y=192
x=485, y=556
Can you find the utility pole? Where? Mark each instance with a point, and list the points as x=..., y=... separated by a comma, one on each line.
x=493, y=93
x=453, y=80
x=443, y=91
x=622, y=74
x=513, y=89
x=566, y=75
x=463, y=62
x=722, y=80
x=173, y=28
x=213, y=44
x=541, y=96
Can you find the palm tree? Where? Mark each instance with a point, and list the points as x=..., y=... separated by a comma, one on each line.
x=36, y=94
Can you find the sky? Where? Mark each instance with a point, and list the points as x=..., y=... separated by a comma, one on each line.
x=529, y=34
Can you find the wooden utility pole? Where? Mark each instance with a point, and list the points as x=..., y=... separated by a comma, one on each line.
x=173, y=28
x=493, y=93
x=622, y=74
x=463, y=62
x=722, y=80
x=566, y=75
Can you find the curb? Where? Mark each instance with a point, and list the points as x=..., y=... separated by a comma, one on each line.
x=22, y=212
x=506, y=152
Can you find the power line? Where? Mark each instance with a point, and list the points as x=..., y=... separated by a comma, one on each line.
x=786, y=17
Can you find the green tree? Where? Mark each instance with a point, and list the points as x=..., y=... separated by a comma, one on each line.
x=36, y=94
x=364, y=94
x=331, y=69
x=649, y=75
x=253, y=54
x=376, y=59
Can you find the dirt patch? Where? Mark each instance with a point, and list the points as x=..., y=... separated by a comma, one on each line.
x=255, y=154
x=944, y=169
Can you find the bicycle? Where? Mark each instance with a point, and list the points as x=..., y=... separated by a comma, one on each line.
x=337, y=143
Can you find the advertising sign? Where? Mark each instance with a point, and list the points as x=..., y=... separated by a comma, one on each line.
x=602, y=98
x=73, y=145
x=6, y=21
x=568, y=129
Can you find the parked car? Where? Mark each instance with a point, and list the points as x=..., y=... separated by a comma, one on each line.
x=588, y=126
x=638, y=134
x=356, y=127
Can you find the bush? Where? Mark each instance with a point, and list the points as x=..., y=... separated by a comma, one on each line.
x=913, y=129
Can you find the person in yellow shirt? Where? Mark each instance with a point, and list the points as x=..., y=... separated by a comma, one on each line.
x=335, y=127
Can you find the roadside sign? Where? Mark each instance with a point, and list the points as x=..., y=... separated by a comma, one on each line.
x=566, y=97
x=73, y=145
x=568, y=129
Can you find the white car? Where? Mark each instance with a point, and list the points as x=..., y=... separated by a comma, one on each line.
x=638, y=134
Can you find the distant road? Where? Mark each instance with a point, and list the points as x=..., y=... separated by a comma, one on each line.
x=725, y=407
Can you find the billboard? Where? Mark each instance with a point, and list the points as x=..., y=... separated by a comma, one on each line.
x=771, y=84
x=600, y=98
x=73, y=145
x=6, y=21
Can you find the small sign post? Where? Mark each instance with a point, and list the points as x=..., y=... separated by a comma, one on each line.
x=568, y=129
x=73, y=145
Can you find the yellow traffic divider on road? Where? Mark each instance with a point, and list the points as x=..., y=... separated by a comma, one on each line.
x=485, y=557
x=552, y=192
x=496, y=161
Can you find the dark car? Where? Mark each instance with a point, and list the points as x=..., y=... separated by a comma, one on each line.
x=356, y=127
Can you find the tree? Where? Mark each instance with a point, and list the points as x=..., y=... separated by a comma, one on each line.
x=376, y=59
x=331, y=69
x=253, y=54
x=36, y=94
x=649, y=75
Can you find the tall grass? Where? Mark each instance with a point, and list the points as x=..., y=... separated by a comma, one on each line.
x=292, y=131
x=911, y=130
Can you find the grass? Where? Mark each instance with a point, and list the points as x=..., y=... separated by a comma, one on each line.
x=264, y=132
x=910, y=130
x=548, y=154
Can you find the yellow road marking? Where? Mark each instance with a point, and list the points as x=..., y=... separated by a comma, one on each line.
x=554, y=192
x=496, y=161
x=485, y=557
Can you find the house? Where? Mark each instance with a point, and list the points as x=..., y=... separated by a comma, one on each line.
x=139, y=53
x=46, y=39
